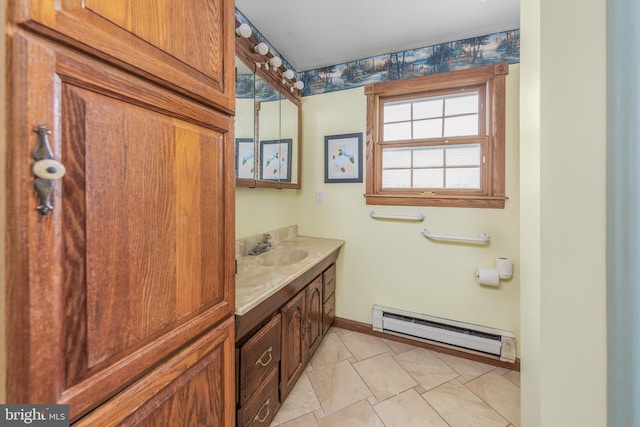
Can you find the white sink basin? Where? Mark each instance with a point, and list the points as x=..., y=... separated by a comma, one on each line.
x=281, y=257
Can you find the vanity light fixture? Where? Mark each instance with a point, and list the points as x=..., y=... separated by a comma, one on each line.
x=288, y=74
x=243, y=30
x=275, y=62
x=262, y=48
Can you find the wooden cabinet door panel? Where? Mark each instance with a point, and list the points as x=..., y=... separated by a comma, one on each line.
x=314, y=314
x=187, y=48
x=193, y=388
x=294, y=347
x=136, y=258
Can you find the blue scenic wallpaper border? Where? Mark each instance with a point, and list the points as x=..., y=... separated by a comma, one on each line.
x=451, y=56
x=439, y=58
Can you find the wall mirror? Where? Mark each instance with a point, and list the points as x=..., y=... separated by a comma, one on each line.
x=267, y=123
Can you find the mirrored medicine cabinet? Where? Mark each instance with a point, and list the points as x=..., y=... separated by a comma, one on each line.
x=267, y=123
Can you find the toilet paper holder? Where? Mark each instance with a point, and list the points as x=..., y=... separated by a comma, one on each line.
x=491, y=276
x=505, y=268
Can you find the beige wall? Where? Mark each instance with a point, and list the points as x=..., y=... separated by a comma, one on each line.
x=244, y=118
x=391, y=263
x=263, y=209
x=563, y=213
x=553, y=226
x=3, y=6
x=530, y=172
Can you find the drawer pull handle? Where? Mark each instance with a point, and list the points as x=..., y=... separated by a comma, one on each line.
x=265, y=406
x=269, y=351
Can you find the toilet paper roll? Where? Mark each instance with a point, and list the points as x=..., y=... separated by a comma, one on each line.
x=505, y=267
x=487, y=276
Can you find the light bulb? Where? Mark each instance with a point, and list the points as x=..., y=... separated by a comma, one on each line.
x=298, y=84
x=243, y=30
x=288, y=74
x=262, y=48
x=275, y=62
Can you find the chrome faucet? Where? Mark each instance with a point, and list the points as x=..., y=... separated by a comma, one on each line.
x=262, y=246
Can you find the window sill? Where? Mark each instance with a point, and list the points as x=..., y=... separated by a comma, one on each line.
x=488, y=202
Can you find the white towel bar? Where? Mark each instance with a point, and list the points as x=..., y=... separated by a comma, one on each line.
x=483, y=238
x=419, y=217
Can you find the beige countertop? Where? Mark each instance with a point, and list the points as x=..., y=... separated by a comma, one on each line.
x=255, y=282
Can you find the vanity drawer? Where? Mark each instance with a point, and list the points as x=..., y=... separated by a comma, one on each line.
x=329, y=282
x=258, y=357
x=329, y=313
x=263, y=405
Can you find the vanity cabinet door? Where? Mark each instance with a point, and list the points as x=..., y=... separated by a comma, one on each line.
x=294, y=344
x=314, y=314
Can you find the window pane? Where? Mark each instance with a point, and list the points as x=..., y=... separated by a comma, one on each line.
x=396, y=158
x=461, y=126
x=465, y=155
x=396, y=178
x=397, y=131
x=428, y=178
x=427, y=128
x=427, y=109
x=397, y=112
x=468, y=178
x=451, y=158
x=428, y=157
x=464, y=104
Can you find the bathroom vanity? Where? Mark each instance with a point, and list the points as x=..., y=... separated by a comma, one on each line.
x=285, y=300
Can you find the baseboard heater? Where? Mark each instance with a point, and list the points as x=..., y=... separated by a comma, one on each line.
x=451, y=333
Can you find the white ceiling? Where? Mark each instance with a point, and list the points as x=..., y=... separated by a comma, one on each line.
x=312, y=35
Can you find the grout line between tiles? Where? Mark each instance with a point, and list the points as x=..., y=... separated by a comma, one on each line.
x=372, y=401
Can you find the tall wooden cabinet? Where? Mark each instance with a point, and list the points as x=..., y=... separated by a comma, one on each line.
x=120, y=300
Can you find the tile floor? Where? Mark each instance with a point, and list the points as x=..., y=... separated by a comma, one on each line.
x=356, y=380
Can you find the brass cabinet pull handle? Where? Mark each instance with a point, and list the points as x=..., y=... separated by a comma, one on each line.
x=257, y=417
x=268, y=351
x=46, y=170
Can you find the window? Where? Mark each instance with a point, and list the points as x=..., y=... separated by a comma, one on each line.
x=437, y=140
